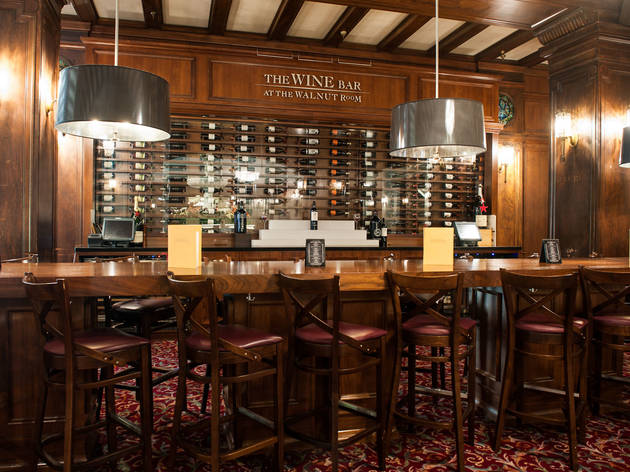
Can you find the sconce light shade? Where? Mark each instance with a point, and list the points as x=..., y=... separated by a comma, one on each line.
x=438, y=127
x=624, y=155
x=113, y=103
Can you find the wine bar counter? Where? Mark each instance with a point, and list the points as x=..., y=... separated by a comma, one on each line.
x=254, y=300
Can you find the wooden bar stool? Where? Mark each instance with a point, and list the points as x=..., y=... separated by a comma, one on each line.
x=328, y=341
x=542, y=329
x=605, y=302
x=202, y=341
x=424, y=325
x=66, y=355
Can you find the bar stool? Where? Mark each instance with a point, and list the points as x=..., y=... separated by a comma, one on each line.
x=67, y=354
x=328, y=341
x=543, y=334
x=204, y=342
x=605, y=302
x=425, y=326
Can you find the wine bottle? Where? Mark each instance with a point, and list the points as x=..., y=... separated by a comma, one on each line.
x=245, y=138
x=368, y=133
x=368, y=164
x=309, y=141
x=374, y=228
x=274, y=139
x=141, y=166
x=338, y=203
x=449, y=177
x=338, y=172
x=178, y=135
x=340, y=162
x=480, y=209
x=307, y=131
x=368, y=193
x=109, y=165
x=307, y=162
x=179, y=124
x=245, y=127
x=367, y=154
x=340, y=152
x=240, y=219
x=248, y=159
x=274, y=191
x=210, y=136
x=314, y=216
x=309, y=192
x=338, y=212
x=447, y=214
x=273, y=129
x=277, y=160
x=275, y=170
x=368, y=174
x=448, y=223
x=383, y=239
x=176, y=146
x=107, y=198
x=107, y=209
x=275, y=150
x=307, y=171
x=309, y=151
x=448, y=186
x=337, y=191
x=210, y=147
x=309, y=182
x=210, y=125
x=340, y=132
x=396, y=165
x=340, y=142
x=447, y=195
x=275, y=181
x=368, y=144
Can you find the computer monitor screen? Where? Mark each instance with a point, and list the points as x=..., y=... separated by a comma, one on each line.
x=467, y=232
x=119, y=229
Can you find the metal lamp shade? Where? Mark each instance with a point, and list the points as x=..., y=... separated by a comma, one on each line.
x=113, y=103
x=438, y=127
x=624, y=155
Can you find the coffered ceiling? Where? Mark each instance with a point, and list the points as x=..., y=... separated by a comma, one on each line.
x=471, y=30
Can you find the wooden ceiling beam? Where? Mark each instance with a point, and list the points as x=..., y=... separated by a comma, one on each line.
x=85, y=10
x=457, y=38
x=153, y=16
x=348, y=20
x=404, y=30
x=533, y=59
x=498, y=49
x=285, y=16
x=219, y=13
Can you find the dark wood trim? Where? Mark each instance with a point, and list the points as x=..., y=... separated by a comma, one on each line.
x=287, y=11
x=404, y=30
x=533, y=59
x=348, y=20
x=219, y=13
x=457, y=38
x=85, y=9
x=512, y=41
x=153, y=16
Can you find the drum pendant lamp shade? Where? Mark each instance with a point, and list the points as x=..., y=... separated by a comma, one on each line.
x=113, y=103
x=437, y=128
x=624, y=154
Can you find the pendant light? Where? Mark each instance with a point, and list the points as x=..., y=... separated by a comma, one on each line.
x=113, y=103
x=438, y=127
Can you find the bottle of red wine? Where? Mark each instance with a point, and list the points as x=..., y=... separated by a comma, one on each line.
x=210, y=136
x=273, y=129
x=340, y=132
x=309, y=151
x=275, y=150
x=307, y=171
x=340, y=152
x=340, y=162
x=307, y=162
x=314, y=216
x=245, y=138
x=274, y=139
x=338, y=172
x=338, y=203
x=383, y=239
x=340, y=142
x=309, y=191
x=338, y=212
x=245, y=127
x=309, y=141
x=243, y=148
x=480, y=209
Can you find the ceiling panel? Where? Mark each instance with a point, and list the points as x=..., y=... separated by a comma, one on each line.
x=424, y=38
x=187, y=13
x=524, y=50
x=315, y=19
x=127, y=9
x=483, y=40
x=374, y=26
x=253, y=16
x=68, y=10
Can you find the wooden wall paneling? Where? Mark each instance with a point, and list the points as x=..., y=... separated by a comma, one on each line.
x=536, y=114
x=535, y=192
x=509, y=206
x=612, y=217
x=575, y=91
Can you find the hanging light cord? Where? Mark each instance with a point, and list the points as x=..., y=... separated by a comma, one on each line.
x=437, y=51
x=116, y=36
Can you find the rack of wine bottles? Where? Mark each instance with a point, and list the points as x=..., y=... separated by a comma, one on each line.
x=277, y=169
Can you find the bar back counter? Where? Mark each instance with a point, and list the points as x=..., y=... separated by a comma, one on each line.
x=254, y=300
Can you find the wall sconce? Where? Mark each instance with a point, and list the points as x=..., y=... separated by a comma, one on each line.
x=565, y=132
x=506, y=158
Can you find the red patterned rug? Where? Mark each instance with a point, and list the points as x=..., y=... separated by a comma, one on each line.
x=524, y=448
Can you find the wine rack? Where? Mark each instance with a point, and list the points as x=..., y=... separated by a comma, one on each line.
x=277, y=169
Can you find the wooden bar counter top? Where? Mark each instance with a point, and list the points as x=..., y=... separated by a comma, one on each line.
x=149, y=278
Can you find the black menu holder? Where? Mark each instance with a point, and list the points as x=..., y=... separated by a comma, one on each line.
x=550, y=251
x=315, y=253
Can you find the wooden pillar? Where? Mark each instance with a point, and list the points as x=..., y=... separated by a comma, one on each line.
x=29, y=50
x=589, y=65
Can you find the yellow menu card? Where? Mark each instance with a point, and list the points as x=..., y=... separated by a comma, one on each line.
x=437, y=249
x=184, y=246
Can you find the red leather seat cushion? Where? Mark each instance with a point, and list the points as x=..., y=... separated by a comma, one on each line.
x=427, y=325
x=544, y=323
x=143, y=304
x=102, y=339
x=240, y=335
x=313, y=334
x=613, y=320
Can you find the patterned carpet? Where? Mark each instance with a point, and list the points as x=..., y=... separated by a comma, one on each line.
x=524, y=449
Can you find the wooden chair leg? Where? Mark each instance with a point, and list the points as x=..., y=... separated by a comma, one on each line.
x=380, y=407
x=180, y=398
x=334, y=415
x=597, y=380
x=457, y=403
x=570, y=402
x=279, y=409
x=411, y=380
x=39, y=425
x=393, y=400
x=215, y=419
x=206, y=391
x=582, y=402
x=506, y=387
x=110, y=411
x=68, y=452
x=472, y=389
x=146, y=407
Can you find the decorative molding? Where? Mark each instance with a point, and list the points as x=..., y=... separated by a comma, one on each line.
x=565, y=24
